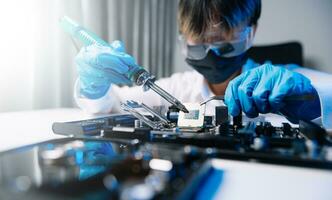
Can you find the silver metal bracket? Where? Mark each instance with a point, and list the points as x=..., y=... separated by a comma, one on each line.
x=133, y=108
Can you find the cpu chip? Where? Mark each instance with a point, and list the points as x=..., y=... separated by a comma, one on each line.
x=193, y=119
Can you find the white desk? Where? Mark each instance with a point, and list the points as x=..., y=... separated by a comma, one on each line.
x=247, y=180
x=23, y=128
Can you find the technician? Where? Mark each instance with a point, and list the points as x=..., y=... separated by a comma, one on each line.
x=216, y=35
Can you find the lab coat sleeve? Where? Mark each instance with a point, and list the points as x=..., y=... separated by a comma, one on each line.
x=180, y=85
x=322, y=83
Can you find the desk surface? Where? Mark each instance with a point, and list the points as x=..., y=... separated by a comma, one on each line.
x=28, y=127
x=248, y=180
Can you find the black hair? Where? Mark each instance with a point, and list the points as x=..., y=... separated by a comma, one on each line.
x=196, y=16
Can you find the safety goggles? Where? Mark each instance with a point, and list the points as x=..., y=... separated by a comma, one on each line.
x=231, y=48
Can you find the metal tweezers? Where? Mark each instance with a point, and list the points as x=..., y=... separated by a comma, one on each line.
x=221, y=98
x=301, y=97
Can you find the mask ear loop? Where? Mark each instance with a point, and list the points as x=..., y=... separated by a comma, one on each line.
x=183, y=45
x=250, y=38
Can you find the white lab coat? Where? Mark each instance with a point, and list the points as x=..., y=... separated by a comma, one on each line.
x=190, y=87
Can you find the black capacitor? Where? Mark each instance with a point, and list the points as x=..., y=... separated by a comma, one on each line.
x=221, y=115
x=208, y=120
x=312, y=131
x=287, y=129
x=249, y=129
x=172, y=114
x=268, y=129
x=237, y=120
x=222, y=119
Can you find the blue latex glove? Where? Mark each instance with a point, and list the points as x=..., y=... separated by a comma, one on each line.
x=99, y=66
x=263, y=89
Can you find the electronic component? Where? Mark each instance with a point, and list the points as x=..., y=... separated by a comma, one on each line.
x=92, y=126
x=161, y=157
x=237, y=121
x=220, y=98
x=194, y=118
x=132, y=106
x=221, y=115
x=308, y=145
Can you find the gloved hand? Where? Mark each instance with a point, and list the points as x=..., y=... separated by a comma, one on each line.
x=270, y=89
x=99, y=66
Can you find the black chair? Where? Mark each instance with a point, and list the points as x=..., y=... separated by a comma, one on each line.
x=284, y=53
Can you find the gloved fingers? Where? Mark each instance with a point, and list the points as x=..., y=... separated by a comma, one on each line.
x=101, y=59
x=282, y=87
x=289, y=84
x=91, y=84
x=231, y=96
x=90, y=53
x=86, y=70
x=118, y=61
x=120, y=49
x=260, y=94
x=100, y=76
x=115, y=77
x=121, y=63
x=107, y=57
x=123, y=80
x=127, y=59
x=297, y=83
x=117, y=45
x=111, y=61
x=245, y=91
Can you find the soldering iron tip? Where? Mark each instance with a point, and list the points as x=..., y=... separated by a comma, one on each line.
x=185, y=110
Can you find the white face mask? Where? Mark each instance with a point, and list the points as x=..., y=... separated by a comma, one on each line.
x=238, y=46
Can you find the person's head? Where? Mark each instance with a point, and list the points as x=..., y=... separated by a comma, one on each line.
x=209, y=21
x=216, y=35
